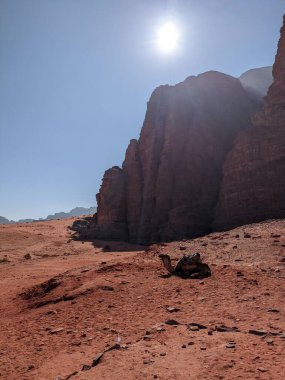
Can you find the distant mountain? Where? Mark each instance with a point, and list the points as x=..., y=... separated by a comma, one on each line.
x=257, y=81
x=77, y=211
x=5, y=220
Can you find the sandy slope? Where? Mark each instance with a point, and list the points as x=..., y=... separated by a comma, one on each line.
x=97, y=299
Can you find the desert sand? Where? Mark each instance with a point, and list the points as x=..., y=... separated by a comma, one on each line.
x=63, y=302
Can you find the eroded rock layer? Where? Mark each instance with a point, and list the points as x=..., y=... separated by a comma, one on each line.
x=170, y=180
x=253, y=187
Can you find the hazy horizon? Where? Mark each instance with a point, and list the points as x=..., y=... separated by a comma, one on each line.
x=75, y=79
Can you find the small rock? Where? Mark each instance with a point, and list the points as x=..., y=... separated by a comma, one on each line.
x=56, y=331
x=257, y=332
x=203, y=348
x=273, y=310
x=194, y=328
x=172, y=322
x=86, y=367
x=76, y=342
x=147, y=361
x=200, y=327
x=246, y=235
x=30, y=367
x=261, y=369
x=162, y=354
x=182, y=248
x=183, y=346
x=231, y=345
x=172, y=309
x=159, y=329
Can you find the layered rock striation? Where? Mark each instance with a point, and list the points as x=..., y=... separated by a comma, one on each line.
x=169, y=183
x=253, y=187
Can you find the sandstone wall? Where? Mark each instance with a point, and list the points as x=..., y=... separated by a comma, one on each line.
x=169, y=182
x=253, y=187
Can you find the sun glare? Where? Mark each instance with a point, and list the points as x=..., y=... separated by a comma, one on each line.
x=167, y=37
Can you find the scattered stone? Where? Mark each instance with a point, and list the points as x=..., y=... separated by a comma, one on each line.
x=193, y=324
x=159, y=329
x=172, y=322
x=246, y=235
x=183, y=346
x=269, y=342
x=30, y=367
x=27, y=256
x=261, y=369
x=86, y=367
x=194, y=328
x=76, y=342
x=172, y=309
x=56, y=331
x=223, y=328
x=182, y=248
x=273, y=310
x=190, y=343
x=147, y=337
x=231, y=345
x=257, y=332
x=162, y=354
x=203, y=348
x=147, y=361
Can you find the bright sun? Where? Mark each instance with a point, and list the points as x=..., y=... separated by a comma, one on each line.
x=167, y=37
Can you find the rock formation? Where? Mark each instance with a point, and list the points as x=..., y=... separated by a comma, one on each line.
x=169, y=182
x=253, y=187
x=199, y=162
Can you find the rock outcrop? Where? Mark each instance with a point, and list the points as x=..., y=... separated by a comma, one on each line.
x=169, y=183
x=253, y=187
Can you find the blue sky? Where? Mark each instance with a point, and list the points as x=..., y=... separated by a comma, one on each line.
x=75, y=77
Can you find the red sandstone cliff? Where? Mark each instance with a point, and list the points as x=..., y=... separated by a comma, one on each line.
x=253, y=187
x=169, y=182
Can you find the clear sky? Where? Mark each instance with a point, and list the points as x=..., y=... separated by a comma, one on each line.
x=75, y=76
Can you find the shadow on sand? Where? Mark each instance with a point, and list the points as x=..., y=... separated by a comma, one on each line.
x=83, y=232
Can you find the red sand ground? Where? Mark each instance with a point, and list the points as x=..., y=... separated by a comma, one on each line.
x=103, y=298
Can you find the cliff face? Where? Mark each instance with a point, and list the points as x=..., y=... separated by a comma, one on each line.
x=253, y=187
x=169, y=182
